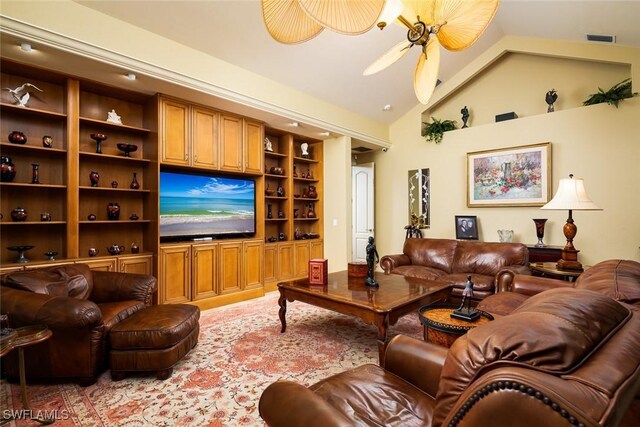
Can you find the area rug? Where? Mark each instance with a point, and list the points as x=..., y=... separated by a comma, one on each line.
x=240, y=352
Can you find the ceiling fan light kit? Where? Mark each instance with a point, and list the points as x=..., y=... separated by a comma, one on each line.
x=454, y=24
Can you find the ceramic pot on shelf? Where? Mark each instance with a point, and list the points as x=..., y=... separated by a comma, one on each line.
x=113, y=211
x=115, y=249
x=17, y=137
x=8, y=169
x=312, y=193
x=311, y=213
x=19, y=214
x=269, y=213
x=134, y=183
x=94, y=177
x=280, y=191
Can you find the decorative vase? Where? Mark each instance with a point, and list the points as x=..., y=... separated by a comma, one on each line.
x=17, y=137
x=280, y=214
x=98, y=138
x=506, y=236
x=312, y=193
x=35, y=173
x=93, y=252
x=280, y=191
x=134, y=217
x=51, y=255
x=308, y=175
x=135, y=248
x=269, y=213
x=298, y=234
x=115, y=249
x=282, y=237
x=19, y=214
x=8, y=169
x=540, y=231
x=114, y=184
x=134, y=182
x=295, y=173
x=296, y=212
x=91, y=217
x=311, y=213
x=94, y=177
x=47, y=141
x=45, y=216
x=113, y=211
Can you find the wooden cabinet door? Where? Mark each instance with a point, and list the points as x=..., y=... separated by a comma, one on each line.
x=174, y=140
x=270, y=263
x=230, y=143
x=141, y=264
x=285, y=261
x=253, y=147
x=175, y=274
x=204, y=271
x=204, y=142
x=108, y=264
x=252, y=264
x=316, y=249
x=230, y=266
x=301, y=257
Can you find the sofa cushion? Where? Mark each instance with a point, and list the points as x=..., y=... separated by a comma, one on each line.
x=502, y=303
x=618, y=279
x=371, y=396
x=419, y=271
x=74, y=280
x=488, y=258
x=554, y=331
x=434, y=253
x=115, y=312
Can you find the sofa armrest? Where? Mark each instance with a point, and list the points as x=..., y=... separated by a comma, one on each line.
x=28, y=308
x=389, y=262
x=416, y=361
x=505, y=276
x=111, y=286
x=288, y=404
x=527, y=285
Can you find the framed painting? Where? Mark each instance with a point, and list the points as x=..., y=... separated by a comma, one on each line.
x=466, y=227
x=517, y=176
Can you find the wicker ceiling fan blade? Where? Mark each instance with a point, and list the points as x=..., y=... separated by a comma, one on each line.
x=287, y=22
x=418, y=8
x=426, y=74
x=391, y=56
x=344, y=16
x=465, y=20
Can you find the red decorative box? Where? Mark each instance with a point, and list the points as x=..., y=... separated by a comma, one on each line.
x=357, y=269
x=318, y=271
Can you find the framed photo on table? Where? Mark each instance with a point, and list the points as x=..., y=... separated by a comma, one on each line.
x=466, y=227
x=517, y=176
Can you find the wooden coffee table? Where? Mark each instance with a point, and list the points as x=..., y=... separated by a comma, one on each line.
x=382, y=306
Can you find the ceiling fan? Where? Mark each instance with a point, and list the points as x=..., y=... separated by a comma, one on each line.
x=454, y=24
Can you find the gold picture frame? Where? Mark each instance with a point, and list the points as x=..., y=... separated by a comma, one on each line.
x=515, y=176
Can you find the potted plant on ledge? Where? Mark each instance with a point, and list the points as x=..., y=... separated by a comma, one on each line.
x=434, y=131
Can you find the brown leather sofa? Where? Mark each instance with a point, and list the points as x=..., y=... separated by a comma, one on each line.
x=80, y=306
x=566, y=357
x=453, y=260
x=619, y=279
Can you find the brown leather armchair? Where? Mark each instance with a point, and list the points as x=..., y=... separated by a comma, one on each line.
x=546, y=364
x=80, y=306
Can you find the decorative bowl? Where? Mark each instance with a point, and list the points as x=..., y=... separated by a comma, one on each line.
x=269, y=192
x=51, y=255
x=17, y=137
x=127, y=148
x=98, y=137
x=297, y=196
x=276, y=170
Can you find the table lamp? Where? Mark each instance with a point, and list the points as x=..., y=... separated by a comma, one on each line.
x=570, y=196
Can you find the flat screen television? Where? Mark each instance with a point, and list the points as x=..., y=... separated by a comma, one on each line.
x=200, y=205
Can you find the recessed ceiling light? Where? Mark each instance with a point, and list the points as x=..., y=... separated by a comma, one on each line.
x=26, y=47
x=387, y=107
x=131, y=76
x=294, y=124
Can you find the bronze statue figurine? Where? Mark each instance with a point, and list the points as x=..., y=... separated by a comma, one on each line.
x=550, y=98
x=465, y=116
x=466, y=313
x=372, y=259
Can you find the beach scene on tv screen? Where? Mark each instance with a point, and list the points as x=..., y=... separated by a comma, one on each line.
x=192, y=205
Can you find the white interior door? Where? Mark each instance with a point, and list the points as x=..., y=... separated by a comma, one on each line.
x=362, y=198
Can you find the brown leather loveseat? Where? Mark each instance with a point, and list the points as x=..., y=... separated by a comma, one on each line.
x=453, y=260
x=80, y=306
x=565, y=357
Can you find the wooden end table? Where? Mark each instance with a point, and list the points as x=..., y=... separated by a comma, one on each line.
x=25, y=336
x=396, y=296
x=549, y=269
x=440, y=328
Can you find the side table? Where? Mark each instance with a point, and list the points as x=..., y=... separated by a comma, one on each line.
x=549, y=269
x=440, y=328
x=19, y=339
x=545, y=253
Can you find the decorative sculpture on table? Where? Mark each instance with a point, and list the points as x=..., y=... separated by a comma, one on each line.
x=267, y=145
x=305, y=149
x=413, y=231
x=113, y=117
x=550, y=98
x=22, y=100
x=465, y=116
x=465, y=312
x=372, y=259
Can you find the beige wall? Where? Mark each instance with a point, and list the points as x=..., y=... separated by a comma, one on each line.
x=598, y=143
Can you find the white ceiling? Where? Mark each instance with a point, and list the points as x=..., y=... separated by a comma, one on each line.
x=330, y=66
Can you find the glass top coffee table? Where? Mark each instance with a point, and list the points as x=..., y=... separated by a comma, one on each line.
x=396, y=296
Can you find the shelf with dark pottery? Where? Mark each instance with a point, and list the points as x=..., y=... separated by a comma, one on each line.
x=94, y=156
x=304, y=160
x=304, y=199
x=305, y=179
x=41, y=150
x=276, y=219
x=33, y=111
x=114, y=125
x=33, y=222
x=306, y=219
x=30, y=185
x=111, y=189
x=274, y=154
x=115, y=221
x=275, y=197
x=271, y=175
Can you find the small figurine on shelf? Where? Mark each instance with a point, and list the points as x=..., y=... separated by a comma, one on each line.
x=295, y=174
x=465, y=116
x=280, y=214
x=465, y=312
x=267, y=145
x=305, y=150
x=309, y=176
x=45, y=216
x=550, y=98
x=35, y=173
x=22, y=100
x=114, y=184
x=282, y=237
x=280, y=191
x=113, y=117
x=372, y=259
x=93, y=252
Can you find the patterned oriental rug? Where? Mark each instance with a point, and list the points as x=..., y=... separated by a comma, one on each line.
x=240, y=352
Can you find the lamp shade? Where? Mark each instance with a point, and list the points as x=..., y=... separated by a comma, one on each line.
x=571, y=195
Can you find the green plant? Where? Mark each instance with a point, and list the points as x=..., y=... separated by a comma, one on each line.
x=433, y=131
x=613, y=96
